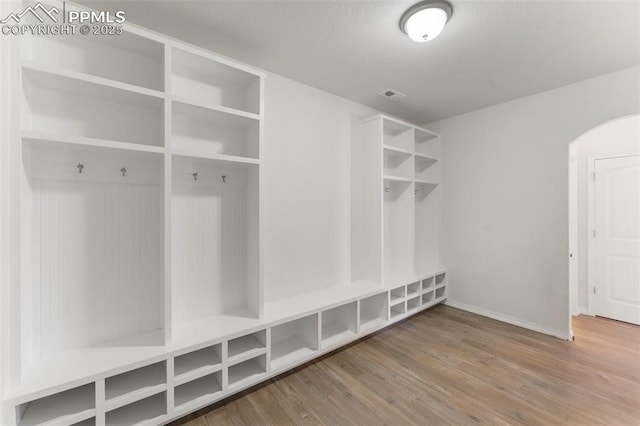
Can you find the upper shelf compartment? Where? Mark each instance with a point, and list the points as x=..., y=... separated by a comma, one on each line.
x=398, y=135
x=126, y=58
x=211, y=84
x=427, y=144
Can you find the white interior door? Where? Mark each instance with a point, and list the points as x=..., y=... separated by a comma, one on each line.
x=617, y=238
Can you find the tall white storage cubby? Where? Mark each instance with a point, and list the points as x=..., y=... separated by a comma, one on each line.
x=135, y=250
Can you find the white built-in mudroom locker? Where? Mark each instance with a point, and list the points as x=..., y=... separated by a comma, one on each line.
x=137, y=290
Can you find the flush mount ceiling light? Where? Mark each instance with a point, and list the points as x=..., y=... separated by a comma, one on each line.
x=424, y=21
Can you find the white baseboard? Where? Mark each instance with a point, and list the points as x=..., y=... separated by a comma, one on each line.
x=509, y=320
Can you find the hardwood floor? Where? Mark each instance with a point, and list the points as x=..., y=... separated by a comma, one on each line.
x=447, y=366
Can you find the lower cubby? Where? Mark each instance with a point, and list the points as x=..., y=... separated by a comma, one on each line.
x=440, y=292
x=338, y=324
x=198, y=363
x=135, y=384
x=148, y=410
x=397, y=294
x=427, y=298
x=427, y=284
x=64, y=408
x=247, y=346
x=413, y=289
x=199, y=389
x=247, y=371
x=293, y=340
x=440, y=279
x=397, y=309
x=373, y=311
x=413, y=304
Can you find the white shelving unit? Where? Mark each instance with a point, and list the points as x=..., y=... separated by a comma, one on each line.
x=139, y=297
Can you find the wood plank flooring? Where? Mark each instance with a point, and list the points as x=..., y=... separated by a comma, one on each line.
x=446, y=366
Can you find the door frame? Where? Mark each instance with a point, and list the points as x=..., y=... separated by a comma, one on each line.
x=591, y=215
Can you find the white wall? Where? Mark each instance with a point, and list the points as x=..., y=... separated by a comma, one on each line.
x=619, y=137
x=306, y=187
x=505, y=198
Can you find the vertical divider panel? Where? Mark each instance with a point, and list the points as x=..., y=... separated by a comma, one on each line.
x=168, y=318
x=358, y=319
x=100, y=403
x=170, y=384
x=268, y=345
x=225, y=365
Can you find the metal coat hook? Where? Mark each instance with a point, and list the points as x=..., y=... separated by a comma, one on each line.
x=224, y=178
x=80, y=167
x=123, y=170
x=415, y=191
x=195, y=176
x=387, y=189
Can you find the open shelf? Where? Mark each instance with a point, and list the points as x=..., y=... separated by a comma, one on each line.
x=339, y=324
x=215, y=259
x=427, y=298
x=136, y=384
x=248, y=371
x=127, y=58
x=413, y=303
x=440, y=279
x=373, y=311
x=397, y=163
x=427, y=284
x=440, y=293
x=213, y=83
x=413, y=289
x=248, y=346
x=427, y=144
x=96, y=247
x=198, y=363
x=398, y=135
x=59, y=105
x=68, y=407
x=207, y=132
x=397, y=294
x=199, y=390
x=398, y=309
x=148, y=410
x=293, y=341
x=426, y=169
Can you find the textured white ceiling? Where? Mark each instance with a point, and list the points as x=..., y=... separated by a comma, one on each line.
x=490, y=52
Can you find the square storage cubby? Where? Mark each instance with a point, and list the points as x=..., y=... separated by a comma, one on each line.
x=427, y=298
x=88, y=422
x=195, y=364
x=68, y=407
x=413, y=303
x=212, y=83
x=398, y=309
x=373, y=311
x=215, y=257
x=427, y=144
x=398, y=163
x=293, y=340
x=398, y=135
x=440, y=278
x=199, y=390
x=207, y=132
x=427, y=284
x=339, y=324
x=396, y=295
x=101, y=56
x=247, y=346
x=149, y=410
x=247, y=372
x=95, y=256
x=413, y=289
x=64, y=107
x=440, y=293
x=135, y=384
x=427, y=169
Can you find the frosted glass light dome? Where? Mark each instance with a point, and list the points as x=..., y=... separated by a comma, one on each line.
x=426, y=20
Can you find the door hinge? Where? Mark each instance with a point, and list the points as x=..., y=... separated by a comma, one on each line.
x=594, y=233
x=594, y=290
x=593, y=175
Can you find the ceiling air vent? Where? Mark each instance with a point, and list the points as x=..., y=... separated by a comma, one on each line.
x=392, y=94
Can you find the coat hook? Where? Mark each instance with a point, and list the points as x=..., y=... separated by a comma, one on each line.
x=387, y=189
x=415, y=191
x=123, y=171
x=195, y=176
x=224, y=178
x=80, y=167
